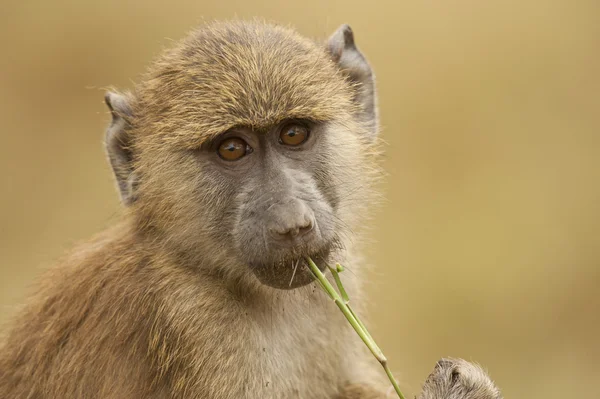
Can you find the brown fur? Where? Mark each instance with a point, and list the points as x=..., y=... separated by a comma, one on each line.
x=135, y=312
x=156, y=307
x=118, y=320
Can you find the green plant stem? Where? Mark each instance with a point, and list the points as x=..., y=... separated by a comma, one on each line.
x=338, y=282
x=342, y=301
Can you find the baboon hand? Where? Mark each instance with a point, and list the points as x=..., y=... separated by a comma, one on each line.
x=459, y=379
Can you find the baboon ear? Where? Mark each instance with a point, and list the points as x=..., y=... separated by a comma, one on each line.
x=118, y=145
x=344, y=52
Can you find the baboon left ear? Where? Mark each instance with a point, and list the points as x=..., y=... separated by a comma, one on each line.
x=344, y=52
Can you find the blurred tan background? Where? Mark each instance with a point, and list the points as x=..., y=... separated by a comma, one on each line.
x=488, y=245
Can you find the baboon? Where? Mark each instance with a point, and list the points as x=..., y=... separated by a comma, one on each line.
x=242, y=150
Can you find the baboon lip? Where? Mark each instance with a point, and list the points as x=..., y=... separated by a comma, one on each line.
x=292, y=272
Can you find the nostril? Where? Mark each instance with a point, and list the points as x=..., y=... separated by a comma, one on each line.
x=293, y=231
x=308, y=226
x=277, y=232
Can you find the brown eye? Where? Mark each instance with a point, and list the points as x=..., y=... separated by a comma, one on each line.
x=293, y=134
x=233, y=149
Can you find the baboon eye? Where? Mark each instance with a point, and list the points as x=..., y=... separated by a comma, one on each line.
x=293, y=134
x=233, y=149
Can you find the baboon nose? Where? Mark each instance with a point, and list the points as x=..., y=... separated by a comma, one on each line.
x=292, y=231
x=290, y=222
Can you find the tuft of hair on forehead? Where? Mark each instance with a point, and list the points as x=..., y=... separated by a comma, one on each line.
x=239, y=73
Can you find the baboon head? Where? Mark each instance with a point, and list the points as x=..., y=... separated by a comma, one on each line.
x=247, y=147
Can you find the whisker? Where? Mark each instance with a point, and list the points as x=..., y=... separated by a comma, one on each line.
x=294, y=273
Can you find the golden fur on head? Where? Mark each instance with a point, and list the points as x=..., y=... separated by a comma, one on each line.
x=238, y=74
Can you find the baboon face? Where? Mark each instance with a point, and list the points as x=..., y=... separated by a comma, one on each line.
x=279, y=194
x=246, y=147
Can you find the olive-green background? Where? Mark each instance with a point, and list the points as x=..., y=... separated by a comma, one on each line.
x=487, y=246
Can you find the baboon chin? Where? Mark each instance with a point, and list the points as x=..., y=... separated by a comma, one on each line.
x=292, y=272
x=244, y=149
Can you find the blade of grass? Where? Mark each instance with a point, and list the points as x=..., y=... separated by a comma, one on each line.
x=342, y=301
x=338, y=282
x=336, y=275
x=344, y=308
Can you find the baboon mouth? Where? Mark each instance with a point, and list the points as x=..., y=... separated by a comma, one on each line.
x=291, y=272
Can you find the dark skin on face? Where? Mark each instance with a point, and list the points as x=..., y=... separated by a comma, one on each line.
x=287, y=228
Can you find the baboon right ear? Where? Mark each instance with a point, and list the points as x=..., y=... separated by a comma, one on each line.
x=118, y=145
